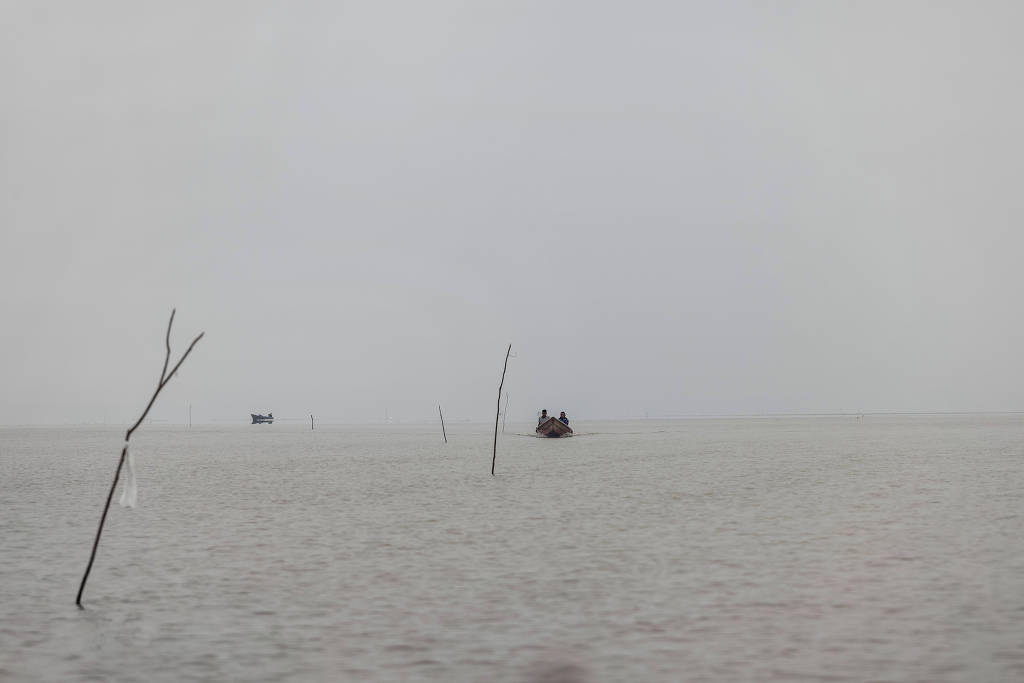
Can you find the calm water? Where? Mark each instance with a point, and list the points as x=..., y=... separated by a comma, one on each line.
x=886, y=549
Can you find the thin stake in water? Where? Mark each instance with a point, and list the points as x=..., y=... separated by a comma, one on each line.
x=442, y=424
x=494, y=454
x=165, y=377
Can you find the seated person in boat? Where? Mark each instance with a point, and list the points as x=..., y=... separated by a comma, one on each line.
x=543, y=417
x=563, y=418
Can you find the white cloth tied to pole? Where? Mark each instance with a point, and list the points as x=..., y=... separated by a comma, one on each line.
x=131, y=490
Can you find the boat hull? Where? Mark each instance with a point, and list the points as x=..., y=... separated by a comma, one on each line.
x=554, y=429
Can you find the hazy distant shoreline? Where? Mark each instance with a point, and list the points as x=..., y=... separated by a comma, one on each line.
x=299, y=421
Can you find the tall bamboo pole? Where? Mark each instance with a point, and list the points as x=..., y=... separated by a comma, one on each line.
x=442, y=424
x=494, y=454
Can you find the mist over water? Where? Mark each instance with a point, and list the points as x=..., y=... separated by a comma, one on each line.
x=667, y=209
x=755, y=549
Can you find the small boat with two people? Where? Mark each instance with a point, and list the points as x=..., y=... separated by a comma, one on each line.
x=553, y=427
x=262, y=419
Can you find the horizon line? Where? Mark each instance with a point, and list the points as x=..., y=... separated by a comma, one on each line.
x=423, y=421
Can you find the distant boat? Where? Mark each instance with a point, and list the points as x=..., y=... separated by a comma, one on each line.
x=554, y=428
x=260, y=419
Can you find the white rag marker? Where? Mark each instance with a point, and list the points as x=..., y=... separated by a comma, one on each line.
x=131, y=490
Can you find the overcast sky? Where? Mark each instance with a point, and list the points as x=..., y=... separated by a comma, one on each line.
x=666, y=208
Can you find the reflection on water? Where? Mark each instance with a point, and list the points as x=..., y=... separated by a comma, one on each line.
x=793, y=549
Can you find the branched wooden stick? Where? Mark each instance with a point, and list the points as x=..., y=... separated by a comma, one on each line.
x=494, y=455
x=165, y=377
x=167, y=343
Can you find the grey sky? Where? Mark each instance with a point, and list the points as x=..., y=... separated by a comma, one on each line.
x=671, y=208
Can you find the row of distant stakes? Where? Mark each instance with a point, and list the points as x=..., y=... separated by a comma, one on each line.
x=128, y=495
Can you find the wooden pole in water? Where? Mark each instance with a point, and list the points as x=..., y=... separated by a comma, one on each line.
x=310, y=423
x=494, y=454
x=165, y=377
x=442, y=424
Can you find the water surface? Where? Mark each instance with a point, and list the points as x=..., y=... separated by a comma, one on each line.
x=882, y=548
